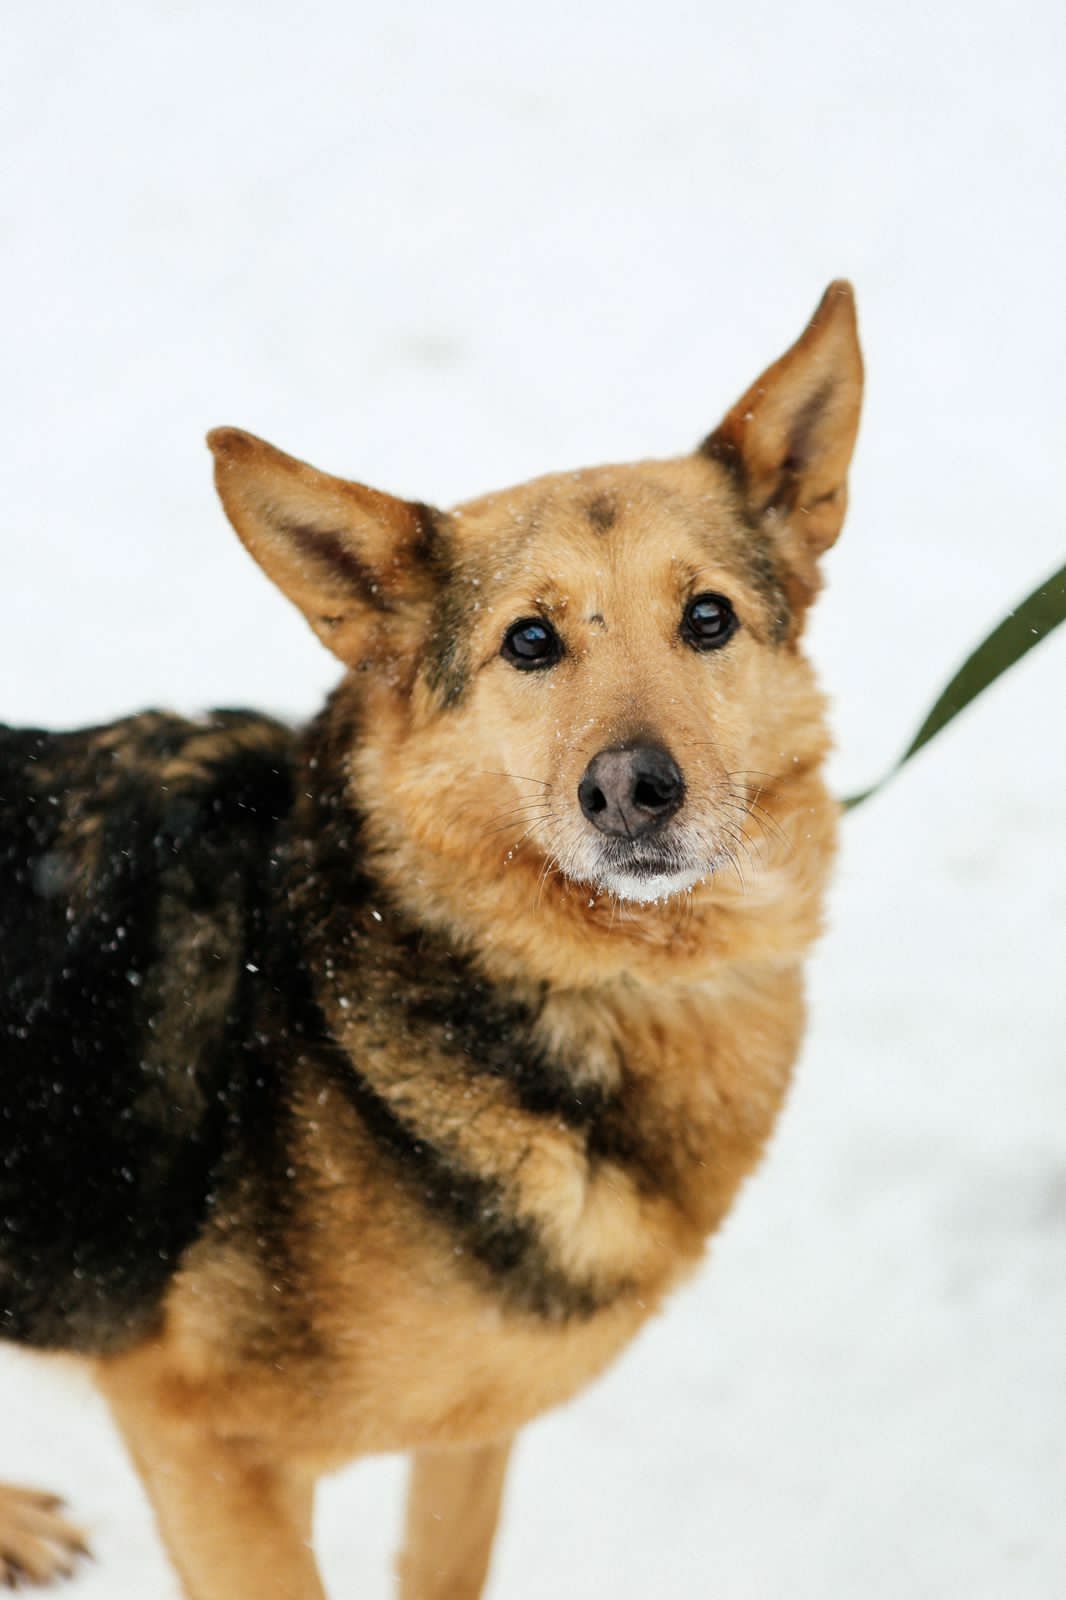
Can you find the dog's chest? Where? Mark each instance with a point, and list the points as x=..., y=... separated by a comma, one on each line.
x=480, y=1259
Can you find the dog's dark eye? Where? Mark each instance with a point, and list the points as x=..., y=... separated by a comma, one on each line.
x=531, y=642
x=709, y=620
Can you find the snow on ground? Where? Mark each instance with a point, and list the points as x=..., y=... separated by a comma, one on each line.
x=442, y=250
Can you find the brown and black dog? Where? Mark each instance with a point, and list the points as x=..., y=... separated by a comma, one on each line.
x=366, y=1087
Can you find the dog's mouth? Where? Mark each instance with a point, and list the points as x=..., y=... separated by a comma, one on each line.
x=643, y=870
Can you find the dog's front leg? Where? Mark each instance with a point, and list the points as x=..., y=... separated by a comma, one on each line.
x=237, y=1525
x=453, y=1504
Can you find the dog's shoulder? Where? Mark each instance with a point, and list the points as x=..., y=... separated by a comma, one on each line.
x=132, y=860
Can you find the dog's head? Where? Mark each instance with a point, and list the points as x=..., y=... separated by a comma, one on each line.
x=591, y=683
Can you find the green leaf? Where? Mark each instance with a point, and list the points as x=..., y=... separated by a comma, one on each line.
x=1037, y=616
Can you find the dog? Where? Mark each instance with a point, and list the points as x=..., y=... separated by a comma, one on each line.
x=366, y=1087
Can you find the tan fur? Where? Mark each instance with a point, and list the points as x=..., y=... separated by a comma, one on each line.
x=692, y=1006
x=452, y=1509
x=37, y=1543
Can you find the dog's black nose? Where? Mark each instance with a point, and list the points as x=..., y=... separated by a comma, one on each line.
x=631, y=791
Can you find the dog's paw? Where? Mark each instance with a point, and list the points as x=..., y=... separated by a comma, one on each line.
x=37, y=1543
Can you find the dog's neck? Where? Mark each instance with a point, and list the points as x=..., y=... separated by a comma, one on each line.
x=672, y=1083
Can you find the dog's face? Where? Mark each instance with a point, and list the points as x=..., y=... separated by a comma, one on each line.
x=590, y=678
x=607, y=647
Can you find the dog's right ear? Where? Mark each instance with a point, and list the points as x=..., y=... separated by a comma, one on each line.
x=357, y=563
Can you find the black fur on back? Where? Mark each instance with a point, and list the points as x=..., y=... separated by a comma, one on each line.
x=134, y=865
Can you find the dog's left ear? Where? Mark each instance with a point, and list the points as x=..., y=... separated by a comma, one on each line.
x=358, y=563
x=788, y=440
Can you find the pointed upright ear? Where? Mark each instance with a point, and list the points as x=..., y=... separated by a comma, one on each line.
x=357, y=563
x=788, y=440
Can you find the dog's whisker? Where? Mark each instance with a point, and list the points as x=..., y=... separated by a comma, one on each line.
x=516, y=817
x=492, y=772
x=510, y=823
x=512, y=827
x=540, y=823
x=768, y=825
x=521, y=808
x=737, y=851
x=731, y=857
x=737, y=832
x=508, y=827
x=459, y=817
x=768, y=778
x=524, y=800
x=558, y=852
x=528, y=800
x=542, y=876
x=758, y=812
x=735, y=864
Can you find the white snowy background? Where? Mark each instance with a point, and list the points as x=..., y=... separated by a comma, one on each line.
x=442, y=249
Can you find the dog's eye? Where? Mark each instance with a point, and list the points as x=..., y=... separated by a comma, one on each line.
x=709, y=620
x=531, y=642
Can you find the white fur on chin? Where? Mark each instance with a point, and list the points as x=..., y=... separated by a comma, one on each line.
x=585, y=864
x=648, y=891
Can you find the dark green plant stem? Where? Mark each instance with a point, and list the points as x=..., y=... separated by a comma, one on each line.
x=1030, y=621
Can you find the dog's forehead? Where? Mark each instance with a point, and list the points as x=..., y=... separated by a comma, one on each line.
x=632, y=536
x=686, y=506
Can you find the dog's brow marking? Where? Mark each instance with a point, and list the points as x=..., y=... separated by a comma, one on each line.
x=602, y=512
